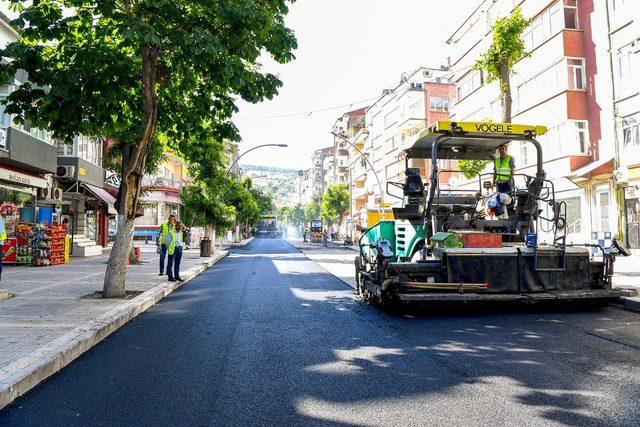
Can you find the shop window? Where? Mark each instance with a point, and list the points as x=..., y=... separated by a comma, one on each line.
x=576, y=72
x=150, y=216
x=574, y=214
x=602, y=205
x=571, y=14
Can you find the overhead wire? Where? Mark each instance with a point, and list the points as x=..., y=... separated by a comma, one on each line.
x=308, y=113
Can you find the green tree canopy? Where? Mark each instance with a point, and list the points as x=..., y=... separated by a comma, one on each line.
x=335, y=202
x=128, y=69
x=507, y=48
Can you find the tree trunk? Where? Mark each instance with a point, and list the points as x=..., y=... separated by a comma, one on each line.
x=134, y=159
x=505, y=91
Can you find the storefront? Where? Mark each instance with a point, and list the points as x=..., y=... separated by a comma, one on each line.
x=32, y=215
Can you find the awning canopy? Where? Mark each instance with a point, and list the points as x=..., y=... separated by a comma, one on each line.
x=600, y=167
x=104, y=196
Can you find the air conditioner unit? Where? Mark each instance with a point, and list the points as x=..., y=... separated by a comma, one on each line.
x=44, y=193
x=64, y=171
x=57, y=194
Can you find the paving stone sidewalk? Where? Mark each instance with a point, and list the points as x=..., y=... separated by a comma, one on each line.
x=47, y=315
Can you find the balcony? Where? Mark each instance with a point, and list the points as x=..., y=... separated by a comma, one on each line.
x=22, y=150
x=162, y=182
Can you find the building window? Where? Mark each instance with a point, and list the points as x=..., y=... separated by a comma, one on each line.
x=416, y=109
x=580, y=130
x=545, y=26
x=469, y=83
x=391, y=118
x=623, y=64
x=389, y=144
x=439, y=104
x=576, y=71
x=631, y=132
x=570, y=14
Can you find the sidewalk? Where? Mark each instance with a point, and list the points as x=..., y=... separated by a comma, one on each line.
x=338, y=260
x=49, y=321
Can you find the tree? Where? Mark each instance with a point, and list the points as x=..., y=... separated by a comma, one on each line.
x=285, y=215
x=129, y=69
x=507, y=48
x=504, y=52
x=335, y=202
x=264, y=201
x=312, y=209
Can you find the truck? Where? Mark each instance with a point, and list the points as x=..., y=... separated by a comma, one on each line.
x=468, y=242
x=268, y=227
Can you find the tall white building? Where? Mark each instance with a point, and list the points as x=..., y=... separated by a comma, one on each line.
x=624, y=48
x=562, y=84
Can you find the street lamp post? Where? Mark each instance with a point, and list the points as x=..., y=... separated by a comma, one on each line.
x=250, y=150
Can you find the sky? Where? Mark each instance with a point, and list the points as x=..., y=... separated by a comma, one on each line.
x=348, y=51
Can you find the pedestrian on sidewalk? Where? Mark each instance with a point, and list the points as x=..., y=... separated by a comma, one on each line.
x=3, y=237
x=165, y=228
x=324, y=237
x=304, y=234
x=175, y=243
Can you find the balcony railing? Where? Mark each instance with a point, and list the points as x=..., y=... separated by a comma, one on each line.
x=162, y=182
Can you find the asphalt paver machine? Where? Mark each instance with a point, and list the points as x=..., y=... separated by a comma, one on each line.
x=445, y=245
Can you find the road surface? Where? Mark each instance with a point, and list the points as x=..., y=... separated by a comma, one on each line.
x=268, y=337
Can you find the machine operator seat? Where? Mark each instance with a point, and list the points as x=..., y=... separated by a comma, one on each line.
x=414, y=192
x=413, y=185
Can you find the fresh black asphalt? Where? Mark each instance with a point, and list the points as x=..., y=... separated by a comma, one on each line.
x=268, y=337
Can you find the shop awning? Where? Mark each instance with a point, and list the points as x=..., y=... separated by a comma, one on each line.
x=600, y=167
x=104, y=196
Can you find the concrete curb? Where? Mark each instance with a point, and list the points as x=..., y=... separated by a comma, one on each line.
x=628, y=303
x=243, y=243
x=22, y=375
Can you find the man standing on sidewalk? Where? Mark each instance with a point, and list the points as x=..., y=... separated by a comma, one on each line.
x=324, y=237
x=165, y=227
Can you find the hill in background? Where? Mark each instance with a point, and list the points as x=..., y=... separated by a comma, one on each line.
x=280, y=183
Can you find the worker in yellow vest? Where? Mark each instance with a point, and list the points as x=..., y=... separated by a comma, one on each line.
x=165, y=227
x=175, y=243
x=504, y=169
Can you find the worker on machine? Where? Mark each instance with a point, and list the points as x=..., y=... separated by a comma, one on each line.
x=504, y=169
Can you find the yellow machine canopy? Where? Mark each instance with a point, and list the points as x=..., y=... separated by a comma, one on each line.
x=470, y=140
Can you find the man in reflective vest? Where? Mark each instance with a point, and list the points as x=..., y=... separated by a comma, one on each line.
x=165, y=227
x=504, y=169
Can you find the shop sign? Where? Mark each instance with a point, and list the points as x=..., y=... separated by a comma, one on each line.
x=22, y=179
x=631, y=192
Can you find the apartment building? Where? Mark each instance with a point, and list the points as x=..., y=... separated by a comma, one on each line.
x=397, y=117
x=559, y=84
x=623, y=34
x=391, y=124
x=346, y=125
